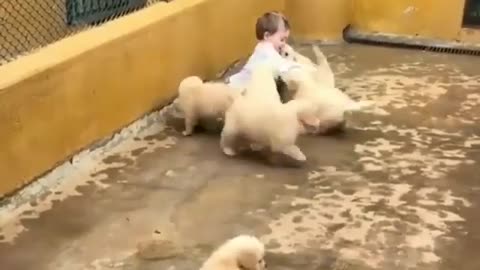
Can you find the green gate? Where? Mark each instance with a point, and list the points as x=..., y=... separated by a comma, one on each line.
x=471, y=13
x=81, y=12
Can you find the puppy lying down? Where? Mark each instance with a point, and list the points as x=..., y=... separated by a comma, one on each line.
x=199, y=100
x=332, y=104
x=243, y=252
x=321, y=71
x=258, y=116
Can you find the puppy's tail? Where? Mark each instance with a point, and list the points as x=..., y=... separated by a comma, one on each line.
x=321, y=59
x=189, y=84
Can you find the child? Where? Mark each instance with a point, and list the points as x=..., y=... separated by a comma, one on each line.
x=272, y=30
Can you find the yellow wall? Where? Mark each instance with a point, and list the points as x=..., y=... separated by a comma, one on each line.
x=71, y=93
x=440, y=19
x=325, y=19
x=318, y=19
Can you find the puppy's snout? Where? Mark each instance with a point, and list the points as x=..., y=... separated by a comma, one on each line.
x=284, y=52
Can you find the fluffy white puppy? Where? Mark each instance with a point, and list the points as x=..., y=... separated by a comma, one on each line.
x=331, y=103
x=323, y=79
x=262, y=119
x=321, y=70
x=200, y=100
x=243, y=252
x=262, y=85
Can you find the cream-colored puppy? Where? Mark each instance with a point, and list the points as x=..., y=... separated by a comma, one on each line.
x=262, y=119
x=321, y=70
x=200, y=100
x=289, y=53
x=243, y=252
x=323, y=80
x=262, y=84
x=331, y=104
x=319, y=87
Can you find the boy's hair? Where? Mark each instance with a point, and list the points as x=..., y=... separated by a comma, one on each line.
x=270, y=23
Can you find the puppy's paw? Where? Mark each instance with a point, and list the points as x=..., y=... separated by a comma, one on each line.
x=187, y=133
x=229, y=151
x=299, y=157
x=294, y=152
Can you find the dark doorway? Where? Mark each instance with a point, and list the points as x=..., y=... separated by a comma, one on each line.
x=471, y=13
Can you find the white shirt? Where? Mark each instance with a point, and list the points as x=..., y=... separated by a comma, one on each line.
x=262, y=52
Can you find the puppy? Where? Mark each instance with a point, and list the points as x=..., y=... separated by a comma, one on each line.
x=200, y=100
x=289, y=53
x=322, y=71
x=331, y=104
x=243, y=252
x=262, y=84
x=323, y=77
x=261, y=118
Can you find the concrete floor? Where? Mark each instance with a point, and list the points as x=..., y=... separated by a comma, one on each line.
x=399, y=190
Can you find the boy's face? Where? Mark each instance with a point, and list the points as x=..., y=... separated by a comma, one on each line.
x=279, y=39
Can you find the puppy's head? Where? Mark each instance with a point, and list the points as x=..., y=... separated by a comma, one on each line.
x=249, y=252
x=288, y=52
x=294, y=78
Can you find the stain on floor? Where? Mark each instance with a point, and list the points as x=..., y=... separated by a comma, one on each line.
x=399, y=190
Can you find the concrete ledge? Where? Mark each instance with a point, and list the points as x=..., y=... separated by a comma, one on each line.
x=66, y=96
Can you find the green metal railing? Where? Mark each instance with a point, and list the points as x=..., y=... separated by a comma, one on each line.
x=471, y=15
x=94, y=11
x=26, y=25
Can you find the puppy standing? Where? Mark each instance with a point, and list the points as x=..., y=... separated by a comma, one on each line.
x=262, y=84
x=200, y=100
x=243, y=252
x=261, y=117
